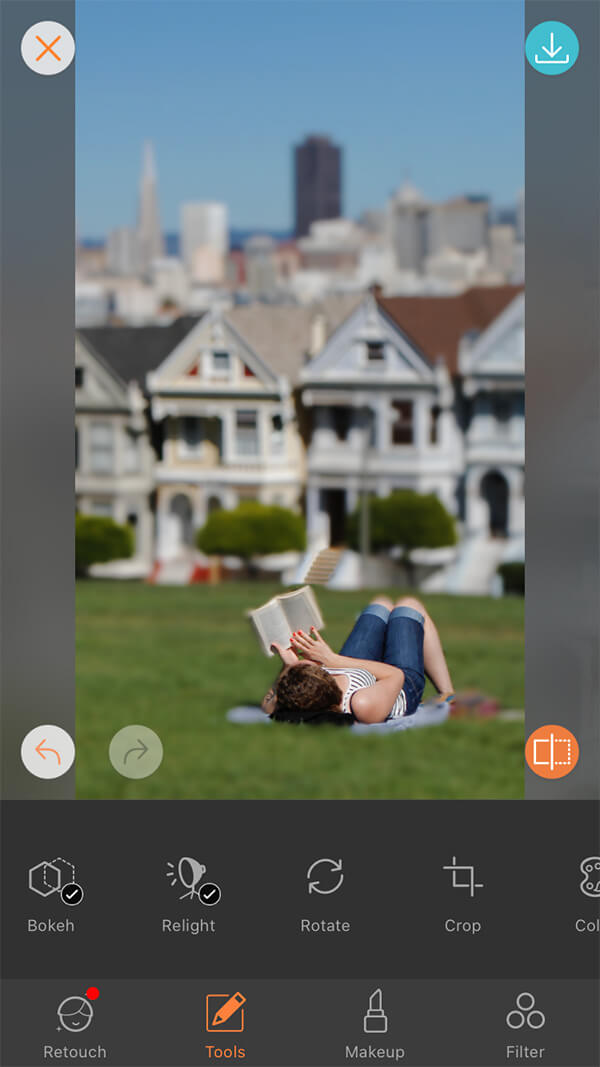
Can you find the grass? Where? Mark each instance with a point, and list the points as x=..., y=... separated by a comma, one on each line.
x=176, y=659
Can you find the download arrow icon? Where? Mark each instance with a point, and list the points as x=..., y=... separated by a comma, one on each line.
x=552, y=51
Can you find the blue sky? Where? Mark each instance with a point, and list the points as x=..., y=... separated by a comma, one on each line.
x=432, y=89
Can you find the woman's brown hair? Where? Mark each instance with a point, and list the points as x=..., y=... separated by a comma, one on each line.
x=305, y=692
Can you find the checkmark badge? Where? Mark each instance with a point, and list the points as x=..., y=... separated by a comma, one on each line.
x=71, y=894
x=209, y=894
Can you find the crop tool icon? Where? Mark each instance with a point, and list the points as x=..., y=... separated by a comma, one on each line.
x=463, y=876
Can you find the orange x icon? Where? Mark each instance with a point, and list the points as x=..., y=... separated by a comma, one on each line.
x=47, y=47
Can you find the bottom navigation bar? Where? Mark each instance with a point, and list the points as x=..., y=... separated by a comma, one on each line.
x=287, y=1023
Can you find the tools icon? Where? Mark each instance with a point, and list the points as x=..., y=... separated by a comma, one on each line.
x=329, y=876
x=463, y=877
x=189, y=874
x=55, y=876
x=525, y=1014
x=590, y=868
x=375, y=1021
x=222, y=1009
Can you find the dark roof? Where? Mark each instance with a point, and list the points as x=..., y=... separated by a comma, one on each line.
x=437, y=323
x=133, y=351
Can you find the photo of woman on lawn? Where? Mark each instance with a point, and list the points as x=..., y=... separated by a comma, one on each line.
x=379, y=675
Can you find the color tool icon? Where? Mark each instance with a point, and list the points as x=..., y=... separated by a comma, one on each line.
x=224, y=1013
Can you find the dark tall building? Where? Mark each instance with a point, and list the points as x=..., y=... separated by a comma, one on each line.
x=318, y=176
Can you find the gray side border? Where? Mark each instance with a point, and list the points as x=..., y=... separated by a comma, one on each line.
x=562, y=617
x=37, y=624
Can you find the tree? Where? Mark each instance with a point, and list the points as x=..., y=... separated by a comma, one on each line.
x=251, y=529
x=406, y=520
x=99, y=539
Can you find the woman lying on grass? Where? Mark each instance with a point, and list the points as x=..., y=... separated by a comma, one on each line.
x=378, y=675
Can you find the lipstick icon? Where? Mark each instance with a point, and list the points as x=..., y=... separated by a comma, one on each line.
x=375, y=1021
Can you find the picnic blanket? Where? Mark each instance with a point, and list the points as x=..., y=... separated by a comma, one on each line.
x=432, y=713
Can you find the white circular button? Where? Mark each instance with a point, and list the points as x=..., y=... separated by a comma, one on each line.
x=48, y=47
x=48, y=751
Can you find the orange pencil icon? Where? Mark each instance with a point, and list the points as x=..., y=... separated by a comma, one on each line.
x=225, y=1011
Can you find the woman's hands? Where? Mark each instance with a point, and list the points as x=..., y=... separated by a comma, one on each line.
x=287, y=655
x=313, y=647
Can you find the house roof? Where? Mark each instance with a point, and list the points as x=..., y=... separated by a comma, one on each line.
x=437, y=323
x=132, y=351
x=281, y=335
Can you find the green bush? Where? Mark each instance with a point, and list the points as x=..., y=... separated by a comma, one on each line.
x=99, y=539
x=513, y=576
x=252, y=529
x=405, y=520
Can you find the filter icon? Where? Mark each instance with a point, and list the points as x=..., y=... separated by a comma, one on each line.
x=525, y=1014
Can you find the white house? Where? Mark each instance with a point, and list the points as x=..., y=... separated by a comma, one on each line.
x=227, y=432
x=115, y=460
x=425, y=393
x=382, y=420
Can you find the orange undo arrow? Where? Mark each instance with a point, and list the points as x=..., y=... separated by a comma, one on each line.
x=40, y=751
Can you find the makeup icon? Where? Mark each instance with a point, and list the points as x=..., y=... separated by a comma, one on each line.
x=375, y=1021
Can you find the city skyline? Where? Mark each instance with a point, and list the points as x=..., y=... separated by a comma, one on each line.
x=458, y=127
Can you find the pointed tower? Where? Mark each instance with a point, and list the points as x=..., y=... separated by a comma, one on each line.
x=150, y=240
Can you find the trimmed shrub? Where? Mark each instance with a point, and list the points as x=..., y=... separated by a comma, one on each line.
x=513, y=576
x=252, y=529
x=405, y=520
x=99, y=539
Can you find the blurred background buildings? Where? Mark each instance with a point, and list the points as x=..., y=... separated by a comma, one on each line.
x=410, y=245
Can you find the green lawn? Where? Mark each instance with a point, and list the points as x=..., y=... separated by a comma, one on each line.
x=176, y=659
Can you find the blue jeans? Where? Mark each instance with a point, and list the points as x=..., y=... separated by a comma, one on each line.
x=396, y=638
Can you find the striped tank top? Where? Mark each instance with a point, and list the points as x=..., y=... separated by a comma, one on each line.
x=358, y=678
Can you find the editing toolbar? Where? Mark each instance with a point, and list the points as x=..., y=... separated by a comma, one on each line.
x=288, y=890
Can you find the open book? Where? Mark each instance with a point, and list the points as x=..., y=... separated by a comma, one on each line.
x=279, y=617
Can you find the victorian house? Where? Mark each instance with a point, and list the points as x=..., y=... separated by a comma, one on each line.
x=310, y=408
x=226, y=428
x=424, y=393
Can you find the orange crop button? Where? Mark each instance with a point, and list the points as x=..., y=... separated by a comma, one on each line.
x=552, y=751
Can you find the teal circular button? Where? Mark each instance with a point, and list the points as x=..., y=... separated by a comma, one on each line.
x=552, y=47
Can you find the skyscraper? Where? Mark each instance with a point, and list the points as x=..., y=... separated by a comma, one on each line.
x=122, y=251
x=204, y=239
x=318, y=182
x=150, y=240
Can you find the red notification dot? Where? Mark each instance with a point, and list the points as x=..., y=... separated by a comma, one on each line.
x=92, y=993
